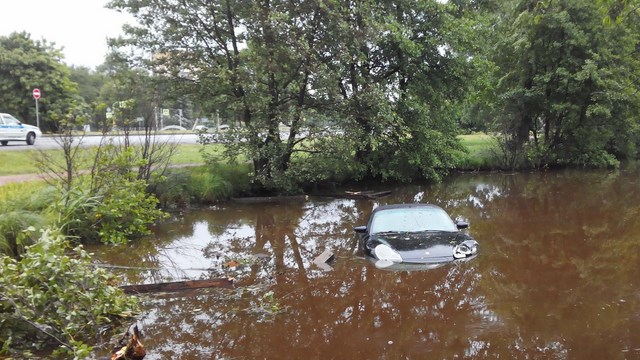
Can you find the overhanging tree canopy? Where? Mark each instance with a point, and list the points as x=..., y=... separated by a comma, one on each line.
x=380, y=71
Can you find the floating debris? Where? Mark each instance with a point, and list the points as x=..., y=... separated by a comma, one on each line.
x=177, y=286
x=323, y=260
x=129, y=346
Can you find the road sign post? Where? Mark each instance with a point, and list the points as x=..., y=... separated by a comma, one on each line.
x=36, y=96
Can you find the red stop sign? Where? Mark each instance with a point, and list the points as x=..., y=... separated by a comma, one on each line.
x=36, y=93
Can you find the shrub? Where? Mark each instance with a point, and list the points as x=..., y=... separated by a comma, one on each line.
x=55, y=298
x=126, y=213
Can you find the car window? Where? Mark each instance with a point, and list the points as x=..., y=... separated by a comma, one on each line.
x=10, y=120
x=411, y=219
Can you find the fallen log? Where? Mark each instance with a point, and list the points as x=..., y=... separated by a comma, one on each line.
x=261, y=199
x=177, y=286
x=358, y=194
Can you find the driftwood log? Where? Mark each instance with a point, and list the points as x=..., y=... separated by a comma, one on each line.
x=177, y=286
x=358, y=194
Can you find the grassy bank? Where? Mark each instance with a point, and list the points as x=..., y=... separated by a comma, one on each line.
x=481, y=148
x=25, y=162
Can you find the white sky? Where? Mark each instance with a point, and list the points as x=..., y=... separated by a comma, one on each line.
x=80, y=27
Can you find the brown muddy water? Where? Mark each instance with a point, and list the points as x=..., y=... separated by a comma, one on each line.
x=557, y=276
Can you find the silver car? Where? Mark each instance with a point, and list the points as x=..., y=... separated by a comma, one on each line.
x=12, y=129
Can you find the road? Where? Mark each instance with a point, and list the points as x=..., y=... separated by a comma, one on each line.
x=49, y=142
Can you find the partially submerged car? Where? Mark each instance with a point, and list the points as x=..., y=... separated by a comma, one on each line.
x=407, y=234
x=12, y=129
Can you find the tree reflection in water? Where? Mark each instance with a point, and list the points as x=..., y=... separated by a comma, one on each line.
x=556, y=276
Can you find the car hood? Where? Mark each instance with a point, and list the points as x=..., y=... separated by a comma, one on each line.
x=421, y=247
x=31, y=127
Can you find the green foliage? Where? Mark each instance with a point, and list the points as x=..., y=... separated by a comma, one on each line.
x=12, y=227
x=53, y=297
x=567, y=84
x=21, y=208
x=360, y=67
x=73, y=210
x=332, y=162
x=18, y=162
x=172, y=189
x=110, y=204
x=126, y=212
x=89, y=82
x=208, y=187
x=26, y=64
x=202, y=185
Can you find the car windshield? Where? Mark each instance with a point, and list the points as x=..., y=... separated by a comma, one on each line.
x=411, y=220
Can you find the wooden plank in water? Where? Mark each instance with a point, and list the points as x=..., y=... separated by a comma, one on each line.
x=325, y=257
x=177, y=286
x=358, y=194
x=261, y=199
x=323, y=260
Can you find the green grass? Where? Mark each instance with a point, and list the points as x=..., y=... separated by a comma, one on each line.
x=480, y=156
x=187, y=154
x=477, y=143
x=18, y=162
x=25, y=162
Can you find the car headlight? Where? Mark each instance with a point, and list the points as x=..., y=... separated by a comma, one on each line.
x=464, y=249
x=384, y=252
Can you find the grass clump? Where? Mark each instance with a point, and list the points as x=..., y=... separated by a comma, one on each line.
x=202, y=185
x=481, y=154
x=22, y=206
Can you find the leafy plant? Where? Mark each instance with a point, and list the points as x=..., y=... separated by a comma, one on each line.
x=57, y=298
x=126, y=212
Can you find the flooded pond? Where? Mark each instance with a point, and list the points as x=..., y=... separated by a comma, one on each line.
x=557, y=276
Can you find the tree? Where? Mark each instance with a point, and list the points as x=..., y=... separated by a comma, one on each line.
x=566, y=86
x=428, y=49
x=26, y=64
x=314, y=65
x=89, y=82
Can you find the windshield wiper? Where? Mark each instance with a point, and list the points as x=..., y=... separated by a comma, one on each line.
x=388, y=232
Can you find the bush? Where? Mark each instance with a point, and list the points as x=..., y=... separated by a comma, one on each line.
x=121, y=213
x=126, y=213
x=53, y=298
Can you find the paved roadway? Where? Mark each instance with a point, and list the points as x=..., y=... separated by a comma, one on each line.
x=49, y=142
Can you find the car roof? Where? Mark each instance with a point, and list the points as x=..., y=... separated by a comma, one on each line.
x=406, y=206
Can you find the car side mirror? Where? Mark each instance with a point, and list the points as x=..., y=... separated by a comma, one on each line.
x=462, y=225
x=360, y=229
